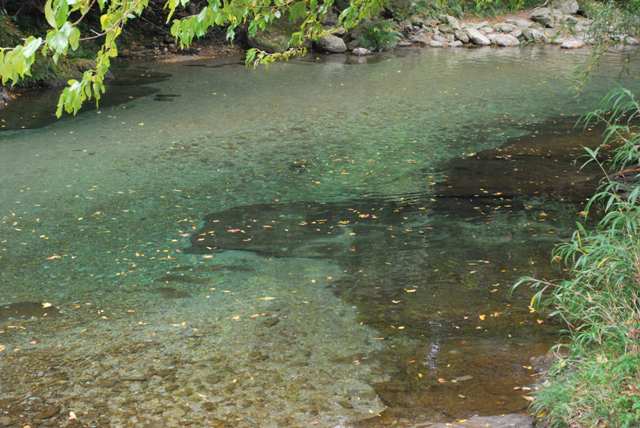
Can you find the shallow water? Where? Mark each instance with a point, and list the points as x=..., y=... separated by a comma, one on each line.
x=317, y=243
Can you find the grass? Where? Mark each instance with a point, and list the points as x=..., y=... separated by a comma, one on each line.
x=597, y=381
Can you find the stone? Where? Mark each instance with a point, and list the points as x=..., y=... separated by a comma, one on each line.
x=446, y=29
x=361, y=52
x=570, y=7
x=436, y=43
x=543, y=15
x=631, y=41
x=5, y=421
x=505, y=40
x=456, y=44
x=519, y=22
x=572, y=43
x=439, y=38
x=331, y=43
x=534, y=35
x=477, y=38
x=273, y=39
x=451, y=21
x=517, y=33
x=505, y=27
x=48, y=412
x=487, y=29
x=422, y=39
x=461, y=36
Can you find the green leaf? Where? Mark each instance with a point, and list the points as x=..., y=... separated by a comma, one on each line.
x=49, y=15
x=74, y=38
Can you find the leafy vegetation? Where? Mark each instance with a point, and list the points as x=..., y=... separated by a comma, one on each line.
x=598, y=381
x=378, y=36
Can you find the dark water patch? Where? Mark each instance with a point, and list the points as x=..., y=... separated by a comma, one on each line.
x=215, y=64
x=165, y=97
x=442, y=300
x=301, y=229
x=27, y=310
x=171, y=293
x=214, y=268
x=36, y=108
x=183, y=278
x=542, y=164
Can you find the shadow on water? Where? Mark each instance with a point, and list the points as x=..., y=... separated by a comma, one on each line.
x=36, y=108
x=432, y=271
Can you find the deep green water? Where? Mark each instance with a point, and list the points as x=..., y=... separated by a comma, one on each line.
x=314, y=244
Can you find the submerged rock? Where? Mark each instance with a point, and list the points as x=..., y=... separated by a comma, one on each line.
x=172, y=293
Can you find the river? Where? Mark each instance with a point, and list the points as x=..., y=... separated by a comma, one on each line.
x=318, y=243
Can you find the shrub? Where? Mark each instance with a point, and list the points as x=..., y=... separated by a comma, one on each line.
x=598, y=382
x=378, y=36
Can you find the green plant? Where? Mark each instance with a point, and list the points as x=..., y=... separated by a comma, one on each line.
x=598, y=382
x=378, y=36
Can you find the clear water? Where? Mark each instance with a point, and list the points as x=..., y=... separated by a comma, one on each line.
x=315, y=244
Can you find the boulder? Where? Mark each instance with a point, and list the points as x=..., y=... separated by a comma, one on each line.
x=436, y=43
x=534, y=35
x=572, y=43
x=505, y=27
x=361, y=52
x=487, y=29
x=517, y=33
x=461, y=36
x=519, y=22
x=456, y=44
x=451, y=21
x=421, y=39
x=331, y=43
x=570, y=7
x=445, y=28
x=544, y=16
x=631, y=41
x=477, y=38
x=439, y=38
x=273, y=39
x=505, y=40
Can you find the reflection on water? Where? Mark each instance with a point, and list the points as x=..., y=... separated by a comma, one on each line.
x=316, y=244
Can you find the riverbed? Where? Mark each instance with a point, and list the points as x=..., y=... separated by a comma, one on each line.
x=325, y=242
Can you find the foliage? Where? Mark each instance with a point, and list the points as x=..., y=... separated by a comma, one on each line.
x=599, y=380
x=477, y=7
x=64, y=34
x=378, y=36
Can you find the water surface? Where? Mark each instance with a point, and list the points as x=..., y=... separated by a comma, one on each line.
x=319, y=243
